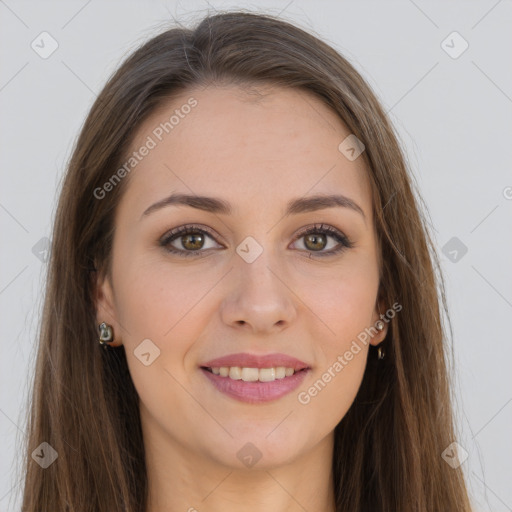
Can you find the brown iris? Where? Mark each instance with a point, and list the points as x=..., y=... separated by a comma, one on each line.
x=317, y=241
x=196, y=241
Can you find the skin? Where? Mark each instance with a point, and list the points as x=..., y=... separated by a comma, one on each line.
x=257, y=152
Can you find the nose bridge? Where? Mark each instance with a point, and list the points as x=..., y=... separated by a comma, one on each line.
x=258, y=295
x=258, y=267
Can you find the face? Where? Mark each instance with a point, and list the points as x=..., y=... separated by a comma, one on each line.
x=247, y=274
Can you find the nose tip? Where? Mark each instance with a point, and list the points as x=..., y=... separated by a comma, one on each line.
x=258, y=300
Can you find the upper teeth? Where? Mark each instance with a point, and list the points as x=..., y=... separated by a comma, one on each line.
x=253, y=374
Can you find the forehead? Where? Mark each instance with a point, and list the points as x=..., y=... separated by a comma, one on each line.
x=255, y=148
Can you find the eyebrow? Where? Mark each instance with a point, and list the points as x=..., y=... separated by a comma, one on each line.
x=219, y=206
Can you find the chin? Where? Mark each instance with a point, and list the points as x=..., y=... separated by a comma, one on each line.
x=256, y=451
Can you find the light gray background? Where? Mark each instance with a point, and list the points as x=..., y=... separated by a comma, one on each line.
x=453, y=116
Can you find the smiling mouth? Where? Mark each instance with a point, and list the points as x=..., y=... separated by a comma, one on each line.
x=253, y=374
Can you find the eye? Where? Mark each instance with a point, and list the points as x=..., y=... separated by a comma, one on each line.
x=192, y=240
x=316, y=240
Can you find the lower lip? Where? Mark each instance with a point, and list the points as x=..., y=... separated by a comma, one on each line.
x=256, y=392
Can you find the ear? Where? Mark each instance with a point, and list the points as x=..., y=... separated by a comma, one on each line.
x=378, y=318
x=105, y=307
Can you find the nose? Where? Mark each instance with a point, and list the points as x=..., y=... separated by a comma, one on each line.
x=259, y=299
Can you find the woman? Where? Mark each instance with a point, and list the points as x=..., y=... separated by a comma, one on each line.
x=241, y=309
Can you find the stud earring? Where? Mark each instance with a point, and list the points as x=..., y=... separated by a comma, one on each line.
x=106, y=335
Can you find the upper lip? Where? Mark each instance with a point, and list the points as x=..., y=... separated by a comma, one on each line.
x=245, y=360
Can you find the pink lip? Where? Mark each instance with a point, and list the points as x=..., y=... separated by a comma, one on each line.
x=255, y=392
x=245, y=360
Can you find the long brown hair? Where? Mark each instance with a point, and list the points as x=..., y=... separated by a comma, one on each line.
x=388, y=446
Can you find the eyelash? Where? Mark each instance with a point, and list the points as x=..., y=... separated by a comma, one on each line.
x=176, y=233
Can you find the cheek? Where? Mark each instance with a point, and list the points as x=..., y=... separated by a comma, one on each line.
x=170, y=306
x=346, y=311
x=155, y=298
x=330, y=394
x=156, y=302
x=344, y=308
x=343, y=301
